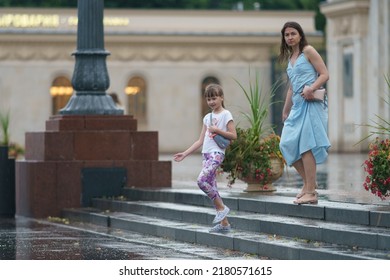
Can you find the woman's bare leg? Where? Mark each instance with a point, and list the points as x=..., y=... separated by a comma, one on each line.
x=309, y=170
x=298, y=165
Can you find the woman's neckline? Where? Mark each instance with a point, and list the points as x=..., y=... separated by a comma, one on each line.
x=295, y=62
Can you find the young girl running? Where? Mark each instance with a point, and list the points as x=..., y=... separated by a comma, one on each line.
x=220, y=122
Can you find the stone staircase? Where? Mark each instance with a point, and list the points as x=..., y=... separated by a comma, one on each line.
x=263, y=225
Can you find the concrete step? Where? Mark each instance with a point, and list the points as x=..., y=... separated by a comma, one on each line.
x=349, y=213
x=263, y=225
x=303, y=228
x=261, y=244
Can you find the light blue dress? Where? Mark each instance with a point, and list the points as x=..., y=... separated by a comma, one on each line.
x=306, y=127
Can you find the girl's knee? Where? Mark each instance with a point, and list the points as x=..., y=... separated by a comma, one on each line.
x=201, y=180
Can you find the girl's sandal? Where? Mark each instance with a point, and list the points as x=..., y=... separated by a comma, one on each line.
x=313, y=200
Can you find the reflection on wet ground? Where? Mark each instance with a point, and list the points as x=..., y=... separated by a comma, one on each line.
x=22, y=239
x=28, y=239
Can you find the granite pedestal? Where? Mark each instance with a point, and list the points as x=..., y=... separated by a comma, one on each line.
x=50, y=177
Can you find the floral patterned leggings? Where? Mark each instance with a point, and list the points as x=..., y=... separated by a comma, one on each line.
x=207, y=179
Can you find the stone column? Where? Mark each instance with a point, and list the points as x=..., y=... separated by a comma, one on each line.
x=90, y=78
x=347, y=25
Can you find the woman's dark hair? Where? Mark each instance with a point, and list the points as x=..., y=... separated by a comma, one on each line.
x=285, y=50
x=214, y=90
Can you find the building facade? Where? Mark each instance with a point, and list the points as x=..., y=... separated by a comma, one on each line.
x=358, y=40
x=158, y=65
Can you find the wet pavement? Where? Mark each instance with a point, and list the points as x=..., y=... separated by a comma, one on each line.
x=23, y=239
x=340, y=180
x=30, y=239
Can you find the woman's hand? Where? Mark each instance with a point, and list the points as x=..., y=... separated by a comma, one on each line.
x=308, y=93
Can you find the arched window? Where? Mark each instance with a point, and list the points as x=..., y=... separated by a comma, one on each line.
x=136, y=98
x=206, y=81
x=61, y=90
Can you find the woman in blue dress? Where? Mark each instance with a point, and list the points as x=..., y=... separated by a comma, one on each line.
x=304, y=140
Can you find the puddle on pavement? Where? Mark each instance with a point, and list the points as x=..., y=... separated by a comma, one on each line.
x=29, y=240
x=22, y=239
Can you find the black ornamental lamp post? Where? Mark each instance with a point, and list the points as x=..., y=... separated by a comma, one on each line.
x=90, y=77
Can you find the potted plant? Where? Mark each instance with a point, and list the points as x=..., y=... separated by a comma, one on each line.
x=10, y=149
x=15, y=150
x=4, y=140
x=377, y=166
x=4, y=122
x=254, y=156
x=7, y=171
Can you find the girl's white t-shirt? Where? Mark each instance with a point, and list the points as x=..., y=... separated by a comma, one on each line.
x=220, y=120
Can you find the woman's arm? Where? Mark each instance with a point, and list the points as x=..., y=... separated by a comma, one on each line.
x=319, y=65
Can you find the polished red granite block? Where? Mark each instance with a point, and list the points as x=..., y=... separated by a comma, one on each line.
x=23, y=190
x=49, y=146
x=102, y=145
x=59, y=123
x=161, y=176
x=44, y=188
x=59, y=146
x=139, y=173
x=34, y=146
x=68, y=185
x=91, y=122
x=111, y=123
x=144, y=145
x=32, y=199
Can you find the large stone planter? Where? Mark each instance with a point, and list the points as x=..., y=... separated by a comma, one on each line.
x=277, y=168
x=7, y=184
